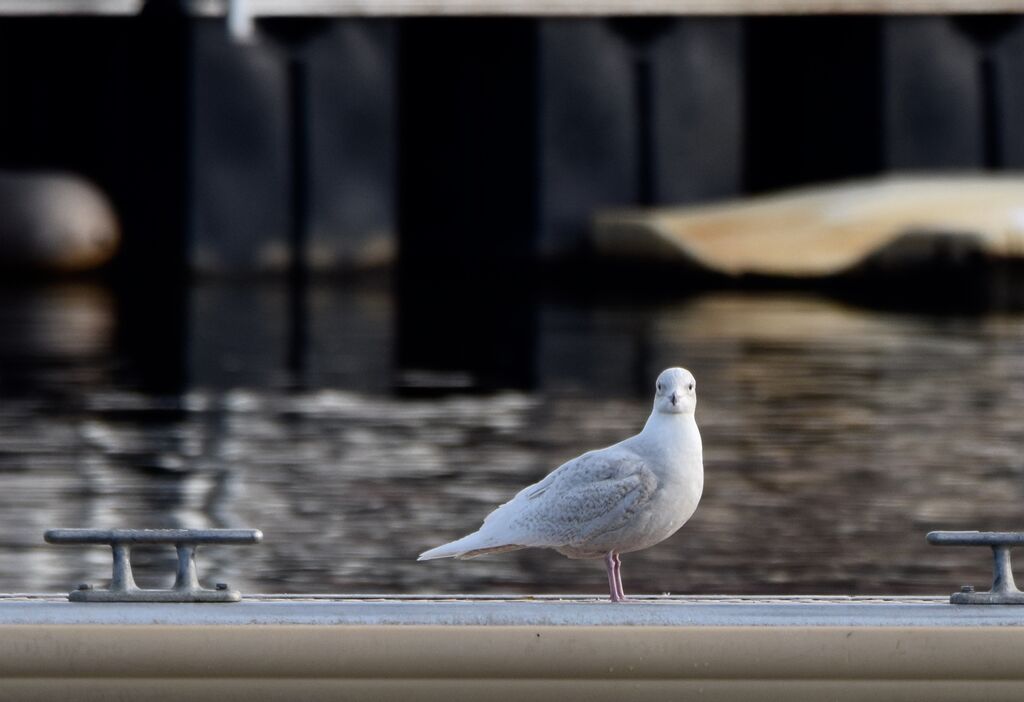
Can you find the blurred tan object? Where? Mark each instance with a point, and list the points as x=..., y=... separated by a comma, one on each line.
x=889, y=223
x=54, y=221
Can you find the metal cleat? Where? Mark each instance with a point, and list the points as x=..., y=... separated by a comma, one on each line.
x=1004, y=589
x=186, y=586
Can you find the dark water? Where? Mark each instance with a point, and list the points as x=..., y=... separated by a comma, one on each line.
x=834, y=436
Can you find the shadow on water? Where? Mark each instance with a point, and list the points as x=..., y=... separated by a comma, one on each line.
x=450, y=339
x=836, y=434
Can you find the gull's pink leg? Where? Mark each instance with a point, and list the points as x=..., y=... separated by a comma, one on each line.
x=617, y=563
x=613, y=586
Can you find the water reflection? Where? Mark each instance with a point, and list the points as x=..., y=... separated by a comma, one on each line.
x=835, y=437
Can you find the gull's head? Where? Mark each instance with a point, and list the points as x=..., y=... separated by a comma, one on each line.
x=675, y=392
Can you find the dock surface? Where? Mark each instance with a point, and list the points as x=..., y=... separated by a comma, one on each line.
x=510, y=610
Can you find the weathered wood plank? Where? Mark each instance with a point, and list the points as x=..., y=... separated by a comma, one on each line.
x=549, y=8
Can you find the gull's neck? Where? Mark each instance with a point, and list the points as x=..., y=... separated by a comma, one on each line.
x=670, y=439
x=660, y=422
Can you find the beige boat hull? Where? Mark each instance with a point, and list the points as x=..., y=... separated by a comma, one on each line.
x=394, y=661
x=829, y=230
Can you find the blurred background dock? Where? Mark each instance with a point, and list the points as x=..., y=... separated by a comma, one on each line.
x=355, y=290
x=466, y=141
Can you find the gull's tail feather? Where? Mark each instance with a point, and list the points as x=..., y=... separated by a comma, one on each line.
x=476, y=544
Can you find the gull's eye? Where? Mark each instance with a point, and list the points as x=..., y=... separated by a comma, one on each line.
x=691, y=386
x=659, y=387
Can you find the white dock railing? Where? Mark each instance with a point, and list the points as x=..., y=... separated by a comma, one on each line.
x=537, y=8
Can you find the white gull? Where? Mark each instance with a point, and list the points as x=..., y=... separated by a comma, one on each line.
x=614, y=500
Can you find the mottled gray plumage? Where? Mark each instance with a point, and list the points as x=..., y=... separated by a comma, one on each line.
x=614, y=500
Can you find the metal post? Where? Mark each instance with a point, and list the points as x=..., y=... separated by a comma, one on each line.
x=186, y=577
x=642, y=33
x=991, y=121
x=987, y=32
x=298, y=274
x=643, y=97
x=122, y=580
x=1002, y=574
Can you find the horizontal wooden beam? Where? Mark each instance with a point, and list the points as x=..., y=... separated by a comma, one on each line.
x=534, y=8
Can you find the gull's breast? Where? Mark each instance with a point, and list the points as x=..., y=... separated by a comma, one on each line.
x=671, y=507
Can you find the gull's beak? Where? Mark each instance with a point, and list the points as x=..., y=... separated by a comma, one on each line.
x=674, y=399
